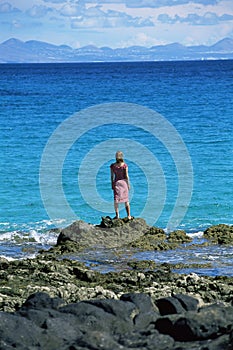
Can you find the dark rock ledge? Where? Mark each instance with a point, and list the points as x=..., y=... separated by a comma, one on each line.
x=132, y=322
x=59, y=304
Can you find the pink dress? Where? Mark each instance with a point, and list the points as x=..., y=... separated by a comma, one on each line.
x=121, y=191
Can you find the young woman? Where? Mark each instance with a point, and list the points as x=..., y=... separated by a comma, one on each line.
x=120, y=184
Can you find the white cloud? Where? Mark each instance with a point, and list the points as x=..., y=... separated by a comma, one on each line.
x=56, y=1
x=93, y=17
x=141, y=39
x=209, y=18
x=209, y=36
x=38, y=11
x=94, y=12
x=118, y=22
x=105, y=1
x=70, y=10
x=6, y=7
x=164, y=3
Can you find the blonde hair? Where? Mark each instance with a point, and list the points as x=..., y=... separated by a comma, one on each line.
x=119, y=157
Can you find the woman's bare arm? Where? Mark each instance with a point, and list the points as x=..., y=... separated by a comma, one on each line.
x=112, y=178
x=127, y=177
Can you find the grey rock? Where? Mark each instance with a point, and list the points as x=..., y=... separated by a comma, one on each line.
x=45, y=323
x=170, y=305
x=146, y=340
x=88, y=235
x=41, y=300
x=208, y=323
x=96, y=340
x=147, y=311
x=188, y=303
x=112, y=316
x=142, y=301
x=21, y=333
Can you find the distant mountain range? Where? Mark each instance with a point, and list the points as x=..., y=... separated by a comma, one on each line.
x=32, y=51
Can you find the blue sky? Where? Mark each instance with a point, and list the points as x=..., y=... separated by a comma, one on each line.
x=117, y=23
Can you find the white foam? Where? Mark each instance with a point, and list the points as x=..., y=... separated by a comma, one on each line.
x=40, y=231
x=212, y=258
x=48, y=238
x=25, y=256
x=8, y=236
x=32, y=236
x=8, y=258
x=198, y=234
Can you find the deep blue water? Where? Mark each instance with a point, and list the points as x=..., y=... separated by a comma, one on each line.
x=194, y=98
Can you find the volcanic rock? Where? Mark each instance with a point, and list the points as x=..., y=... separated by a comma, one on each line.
x=220, y=234
x=131, y=323
x=118, y=234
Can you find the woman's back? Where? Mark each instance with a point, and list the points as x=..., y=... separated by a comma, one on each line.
x=119, y=171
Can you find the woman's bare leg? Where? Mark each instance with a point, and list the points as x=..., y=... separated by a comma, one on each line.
x=116, y=210
x=127, y=207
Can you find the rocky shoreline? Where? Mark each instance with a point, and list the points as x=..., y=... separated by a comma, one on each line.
x=51, y=302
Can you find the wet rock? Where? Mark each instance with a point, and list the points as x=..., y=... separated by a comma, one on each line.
x=3, y=263
x=157, y=232
x=108, y=222
x=142, y=265
x=154, y=239
x=179, y=236
x=220, y=234
x=179, y=266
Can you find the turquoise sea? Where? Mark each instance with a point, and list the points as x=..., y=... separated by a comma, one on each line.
x=192, y=102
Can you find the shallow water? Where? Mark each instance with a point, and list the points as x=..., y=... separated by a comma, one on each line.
x=219, y=258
